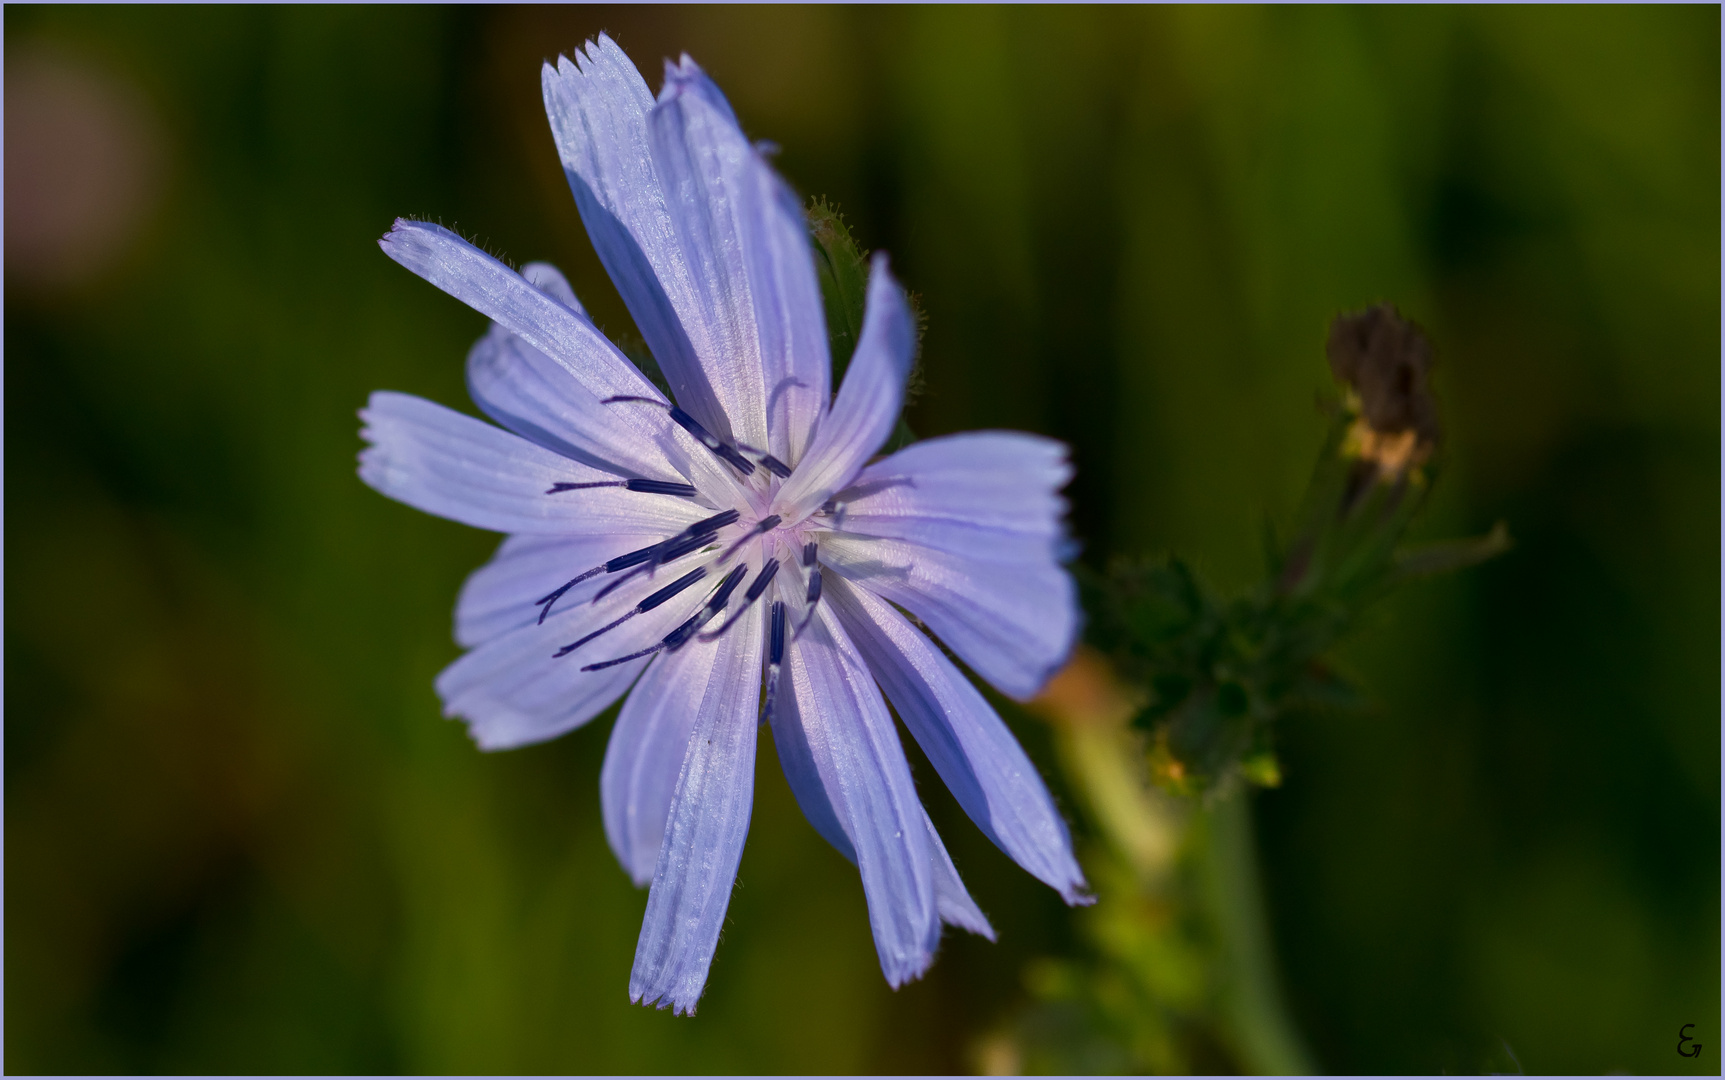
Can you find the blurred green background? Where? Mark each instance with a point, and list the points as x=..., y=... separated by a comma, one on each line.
x=240, y=838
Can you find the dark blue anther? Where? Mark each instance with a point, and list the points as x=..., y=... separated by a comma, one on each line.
x=680, y=547
x=693, y=427
x=722, y=595
x=759, y=585
x=717, y=521
x=679, y=637
x=649, y=487
x=646, y=605
x=712, y=442
x=672, y=589
x=776, y=654
x=661, y=487
x=776, y=467
x=732, y=455
x=756, y=588
x=634, y=558
x=814, y=588
x=809, y=553
x=670, y=551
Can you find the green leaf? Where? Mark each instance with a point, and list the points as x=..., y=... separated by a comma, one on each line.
x=843, y=271
x=1447, y=555
x=842, y=267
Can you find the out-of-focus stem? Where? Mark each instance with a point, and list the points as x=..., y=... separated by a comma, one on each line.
x=1257, y=1023
x=1090, y=711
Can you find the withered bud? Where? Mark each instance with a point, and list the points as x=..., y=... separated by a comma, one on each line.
x=1386, y=358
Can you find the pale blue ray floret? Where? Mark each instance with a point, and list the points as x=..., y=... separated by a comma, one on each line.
x=731, y=552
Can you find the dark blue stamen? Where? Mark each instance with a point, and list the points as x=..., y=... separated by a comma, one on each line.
x=662, y=487
x=654, y=552
x=776, y=655
x=756, y=588
x=723, y=595
x=649, y=487
x=688, y=423
x=681, y=547
x=551, y=598
x=573, y=645
x=670, y=551
x=712, y=442
x=634, y=558
x=648, y=651
x=679, y=637
x=765, y=525
x=813, y=596
x=773, y=464
x=672, y=589
x=717, y=521
x=761, y=582
x=695, y=536
x=646, y=605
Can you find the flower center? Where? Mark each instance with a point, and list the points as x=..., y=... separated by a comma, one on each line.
x=701, y=541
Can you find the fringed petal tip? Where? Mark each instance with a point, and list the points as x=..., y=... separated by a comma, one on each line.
x=662, y=1002
x=492, y=727
x=686, y=77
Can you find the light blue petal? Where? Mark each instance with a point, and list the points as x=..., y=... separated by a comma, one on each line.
x=990, y=495
x=560, y=332
x=797, y=761
x=966, y=741
x=868, y=403
x=754, y=308
x=501, y=595
x=534, y=396
x=598, y=106
x=1013, y=623
x=513, y=690
x=647, y=747
x=836, y=712
x=727, y=327
x=704, y=833
x=951, y=898
x=440, y=461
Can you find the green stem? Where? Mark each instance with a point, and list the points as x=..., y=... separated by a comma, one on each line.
x=1254, y=1015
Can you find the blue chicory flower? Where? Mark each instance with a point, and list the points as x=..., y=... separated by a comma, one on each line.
x=735, y=537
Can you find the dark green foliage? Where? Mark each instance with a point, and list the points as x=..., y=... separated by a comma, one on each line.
x=1216, y=671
